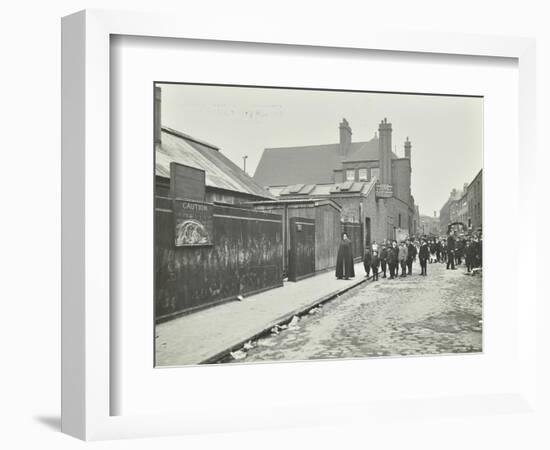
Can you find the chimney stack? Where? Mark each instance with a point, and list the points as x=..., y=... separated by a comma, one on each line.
x=157, y=113
x=384, y=151
x=454, y=194
x=408, y=148
x=345, y=137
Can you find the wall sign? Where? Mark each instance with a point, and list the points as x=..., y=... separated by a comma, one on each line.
x=384, y=191
x=193, y=223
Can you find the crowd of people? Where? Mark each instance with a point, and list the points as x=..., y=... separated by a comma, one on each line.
x=391, y=257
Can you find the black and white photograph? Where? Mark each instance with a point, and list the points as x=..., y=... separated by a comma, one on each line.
x=295, y=224
x=253, y=225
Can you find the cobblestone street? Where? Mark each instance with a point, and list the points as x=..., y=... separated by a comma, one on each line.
x=416, y=315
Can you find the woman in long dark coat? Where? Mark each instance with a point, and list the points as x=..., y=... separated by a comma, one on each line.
x=344, y=260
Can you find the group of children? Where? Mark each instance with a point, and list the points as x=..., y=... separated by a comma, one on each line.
x=392, y=256
x=389, y=256
x=372, y=262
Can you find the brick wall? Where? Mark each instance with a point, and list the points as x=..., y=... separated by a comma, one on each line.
x=401, y=179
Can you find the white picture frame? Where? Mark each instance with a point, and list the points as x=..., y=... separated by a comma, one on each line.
x=86, y=221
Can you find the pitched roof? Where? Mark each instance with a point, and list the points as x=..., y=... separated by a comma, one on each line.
x=220, y=171
x=363, y=151
x=312, y=164
x=293, y=165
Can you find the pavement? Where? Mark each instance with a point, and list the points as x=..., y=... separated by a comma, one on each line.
x=207, y=336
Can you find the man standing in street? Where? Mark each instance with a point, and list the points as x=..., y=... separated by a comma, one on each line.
x=451, y=251
x=423, y=255
x=411, y=256
x=444, y=251
x=477, y=252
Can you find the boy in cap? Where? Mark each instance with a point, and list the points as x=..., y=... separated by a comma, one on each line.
x=375, y=263
x=392, y=258
x=367, y=259
x=411, y=256
x=383, y=258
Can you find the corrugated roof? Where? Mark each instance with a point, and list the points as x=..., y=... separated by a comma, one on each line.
x=309, y=164
x=298, y=201
x=220, y=171
x=321, y=190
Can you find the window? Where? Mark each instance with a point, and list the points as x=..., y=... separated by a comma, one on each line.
x=363, y=175
x=374, y=172
x=350, y=175
x=399, y=220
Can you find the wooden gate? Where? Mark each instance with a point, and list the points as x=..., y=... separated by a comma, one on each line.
x=301, y=255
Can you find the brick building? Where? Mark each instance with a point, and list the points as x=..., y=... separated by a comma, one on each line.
x=475, y=202
x=369, y=181
x=464, y=206
x=445, y=211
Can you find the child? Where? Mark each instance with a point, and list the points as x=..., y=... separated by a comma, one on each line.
x=433, y=257
x=375, y=263
x=383, y=261
x=367, y=258
x=402, y=255
x=423, y=255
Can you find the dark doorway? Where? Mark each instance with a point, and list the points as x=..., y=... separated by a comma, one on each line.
x=367, y=232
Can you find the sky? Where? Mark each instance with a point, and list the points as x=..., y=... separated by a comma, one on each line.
x=446, y=132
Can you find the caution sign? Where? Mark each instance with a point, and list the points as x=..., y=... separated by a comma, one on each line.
x=193, y=223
